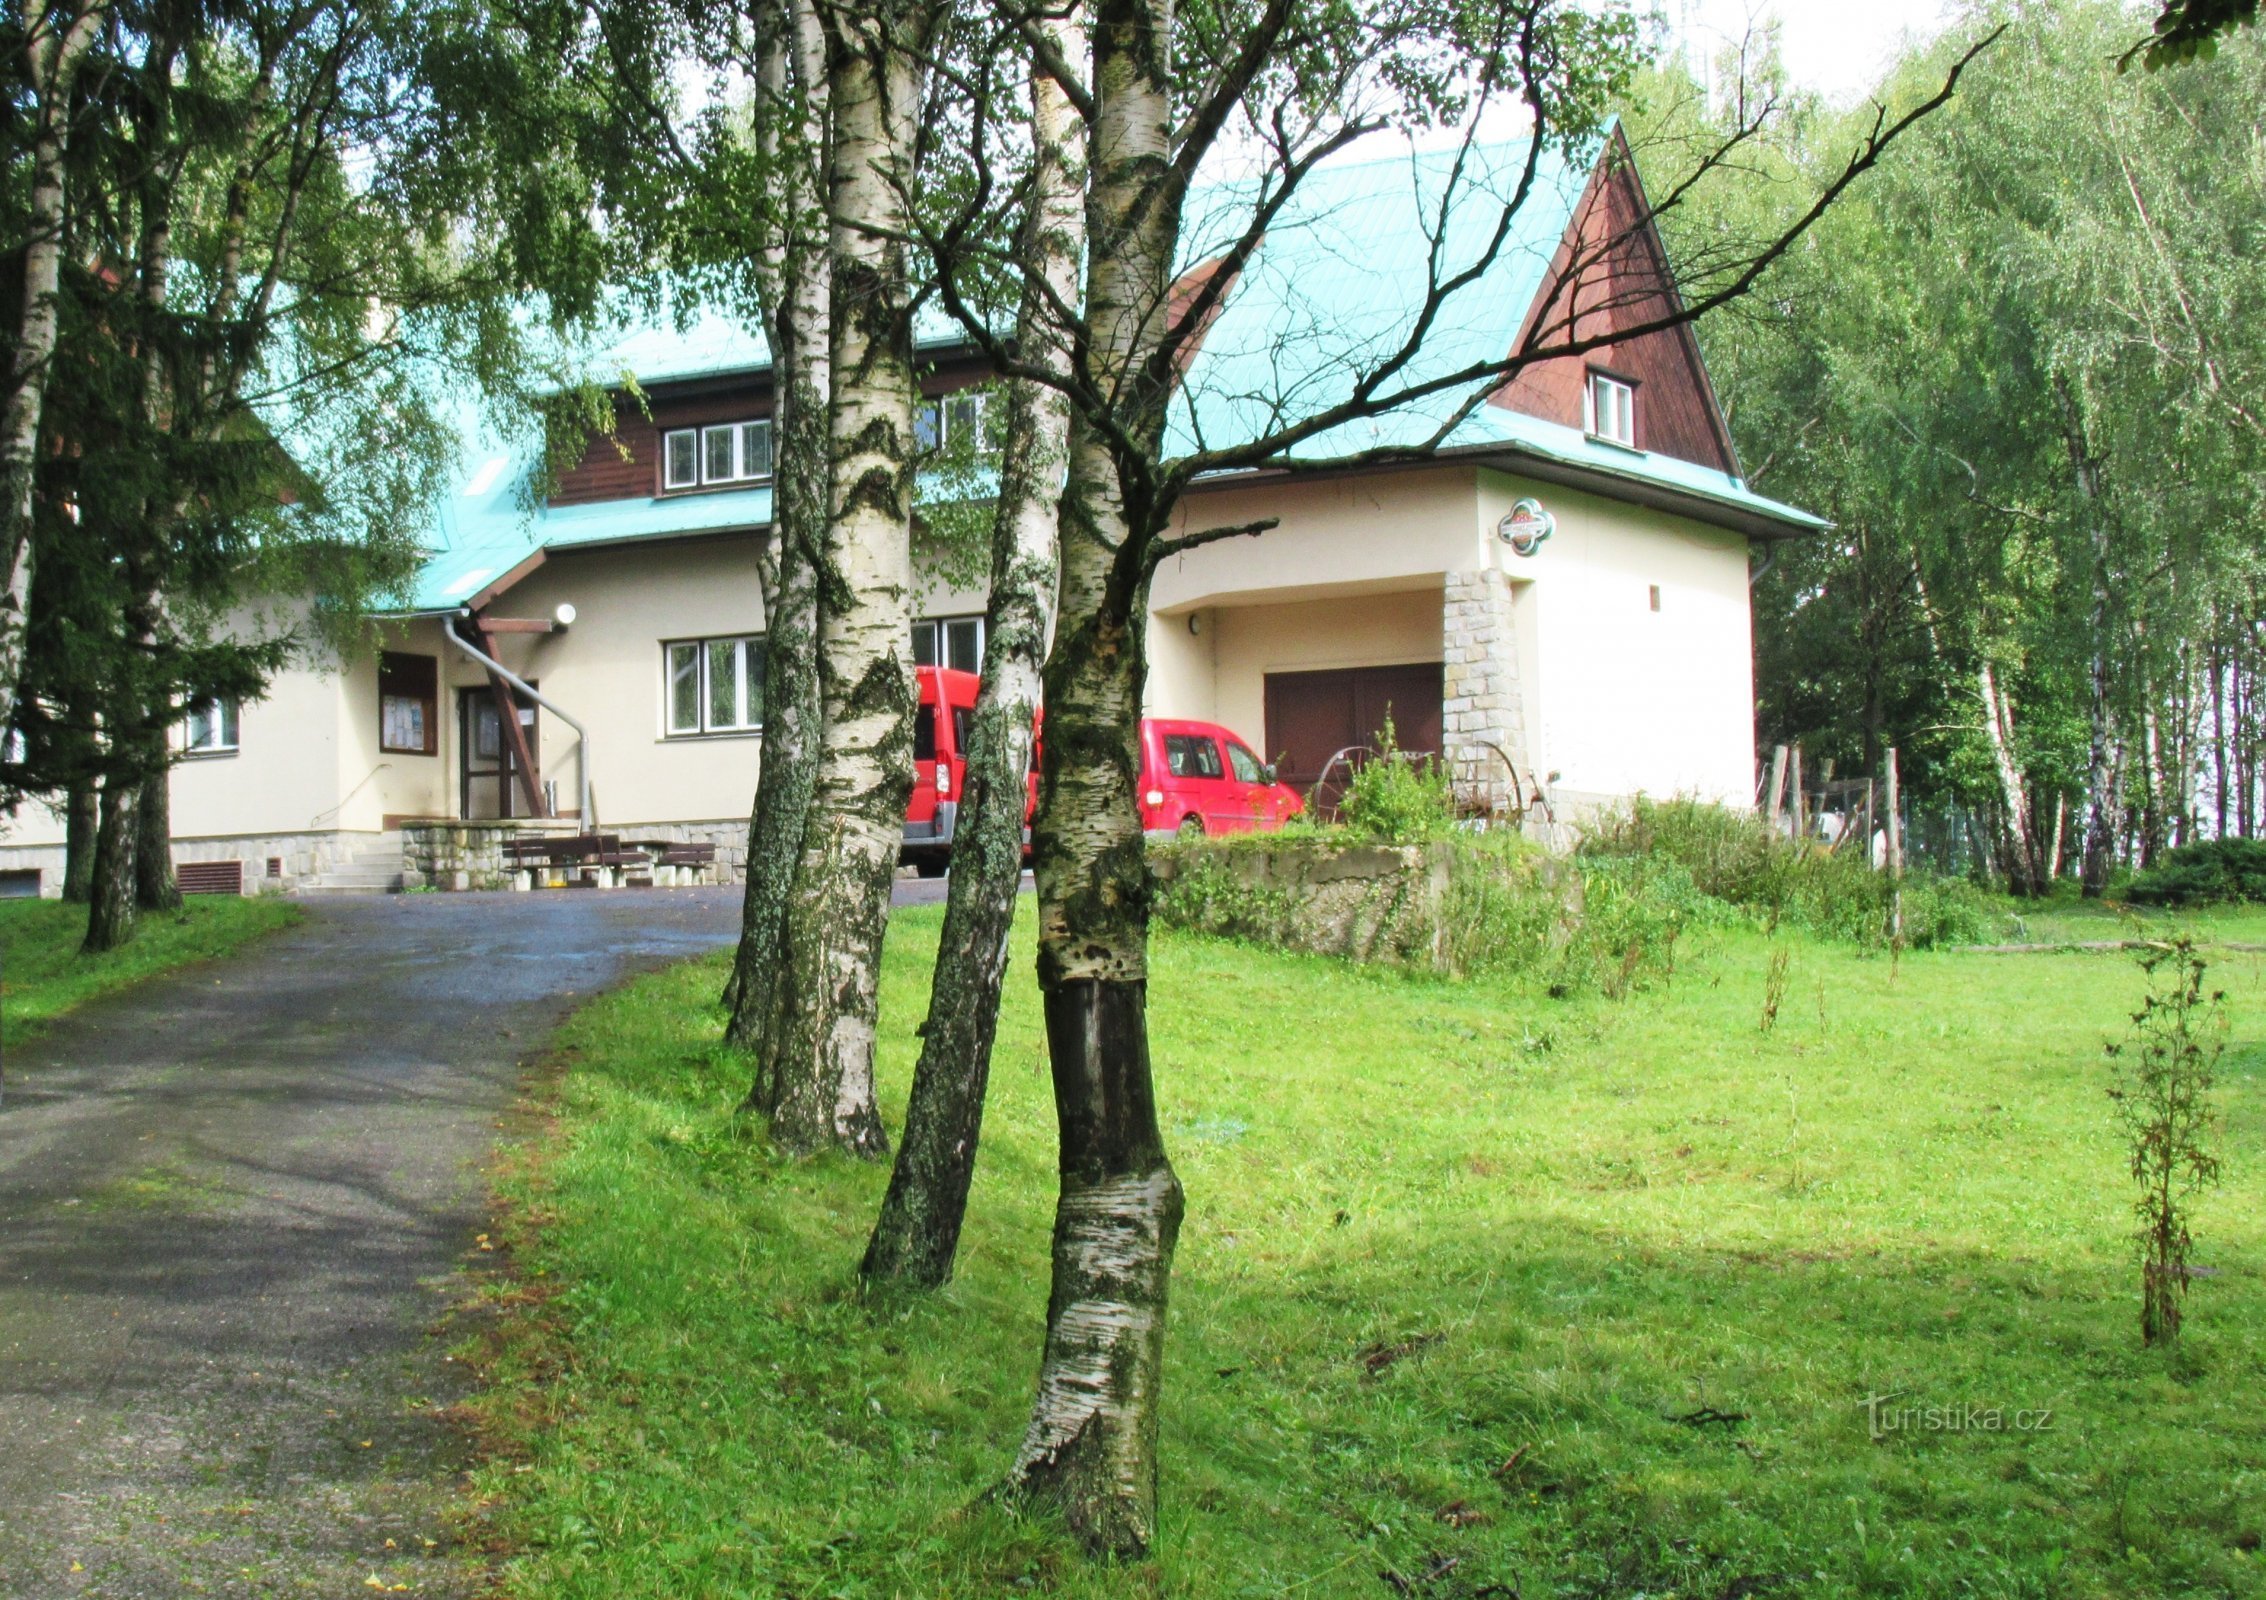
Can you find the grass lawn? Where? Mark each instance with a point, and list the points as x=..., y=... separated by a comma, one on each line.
x=42, y=974
x=1480, y=1294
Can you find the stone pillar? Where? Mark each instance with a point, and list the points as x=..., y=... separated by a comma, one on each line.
x=1481, y=712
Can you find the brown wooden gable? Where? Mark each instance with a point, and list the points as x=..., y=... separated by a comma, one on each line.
x=626, y=464
x=1610, y=272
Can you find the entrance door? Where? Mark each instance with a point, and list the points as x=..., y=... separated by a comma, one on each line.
x=491, y=775
x=1311, y=716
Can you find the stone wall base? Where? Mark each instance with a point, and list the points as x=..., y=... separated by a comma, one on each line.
x=457, y=856
x=273, y=862
x=435, y=855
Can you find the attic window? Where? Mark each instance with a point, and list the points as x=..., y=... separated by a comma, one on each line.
x=731, y=452
x=1609, y=410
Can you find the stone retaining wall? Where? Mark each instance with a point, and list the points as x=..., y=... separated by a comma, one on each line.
x=1399, y=904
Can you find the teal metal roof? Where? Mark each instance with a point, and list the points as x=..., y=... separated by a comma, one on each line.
x=1334, y=287
x=1341, y=278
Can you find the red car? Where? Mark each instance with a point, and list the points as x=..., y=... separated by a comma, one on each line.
x=1196, y=777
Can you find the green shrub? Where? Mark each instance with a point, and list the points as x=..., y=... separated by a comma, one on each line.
x=1737, y=858
x=1635, y=910
x=2211, y=872
x=1396, y=798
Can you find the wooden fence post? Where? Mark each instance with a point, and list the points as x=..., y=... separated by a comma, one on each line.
x=1777, y=785
x=1801, y=829
x=1895, y=855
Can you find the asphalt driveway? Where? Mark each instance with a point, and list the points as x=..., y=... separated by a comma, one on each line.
x=231, y=1202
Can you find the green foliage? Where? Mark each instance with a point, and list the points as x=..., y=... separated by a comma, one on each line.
x=1397, y=798
x=1205, y=893
x=1634, y=912
x=2163, y=1100
x=1467, y=905
x=1588, y=1208
x=1737, y=858
x=2208, y=872
x=1953, y=370
x=43, y=975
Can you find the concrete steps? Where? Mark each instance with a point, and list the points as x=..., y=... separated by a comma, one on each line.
x=373, y=869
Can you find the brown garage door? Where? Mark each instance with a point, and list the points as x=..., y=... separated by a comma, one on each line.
x=1311, y=716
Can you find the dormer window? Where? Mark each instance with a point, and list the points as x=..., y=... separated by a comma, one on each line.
x=942, y=423
x=1609, y=410
x=729, y=452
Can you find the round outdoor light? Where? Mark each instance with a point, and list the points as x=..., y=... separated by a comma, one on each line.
x=1526, y=528
x=565, y=614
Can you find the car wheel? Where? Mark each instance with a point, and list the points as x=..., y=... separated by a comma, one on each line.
x=1191, y=826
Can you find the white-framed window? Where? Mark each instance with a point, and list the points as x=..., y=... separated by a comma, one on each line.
x=727, y=452
x=1609, y=409
x=949, y=642
x=209, y=729
x=712, y=685
x=680, y=459
x=946, y=420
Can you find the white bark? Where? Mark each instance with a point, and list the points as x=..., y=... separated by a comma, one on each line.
x=55, y=47
x=822, y=1063
x=916, y=1237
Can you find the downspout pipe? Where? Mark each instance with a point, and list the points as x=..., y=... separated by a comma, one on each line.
x=582, y=734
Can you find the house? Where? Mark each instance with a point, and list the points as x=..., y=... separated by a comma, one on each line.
x=1556, y=601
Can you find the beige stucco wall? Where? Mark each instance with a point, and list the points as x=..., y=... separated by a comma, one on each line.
x=299, y=752
x=1617, y=698
x=606, y=670
x=1621, y=698
x=1248, y=642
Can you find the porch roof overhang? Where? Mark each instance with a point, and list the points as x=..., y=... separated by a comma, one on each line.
x=494, y=540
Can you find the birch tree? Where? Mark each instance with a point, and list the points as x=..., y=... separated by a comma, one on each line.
x=791, y=129
x=55, y=41
x=917, y=1234
x=1156, y=94
x=819, y=1064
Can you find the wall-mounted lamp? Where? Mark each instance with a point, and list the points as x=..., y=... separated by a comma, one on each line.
x=1195, y=623
x=565, y=614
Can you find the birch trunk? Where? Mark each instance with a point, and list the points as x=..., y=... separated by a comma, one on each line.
x=792, y=70
x=111, y=912
x=52, y=60
x=1091, y=1446
x=918, y=1232
x=820, y=1063
x=2019, y=845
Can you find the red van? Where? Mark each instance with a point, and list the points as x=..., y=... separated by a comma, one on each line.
x=941, y=727
x=1196, y=777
